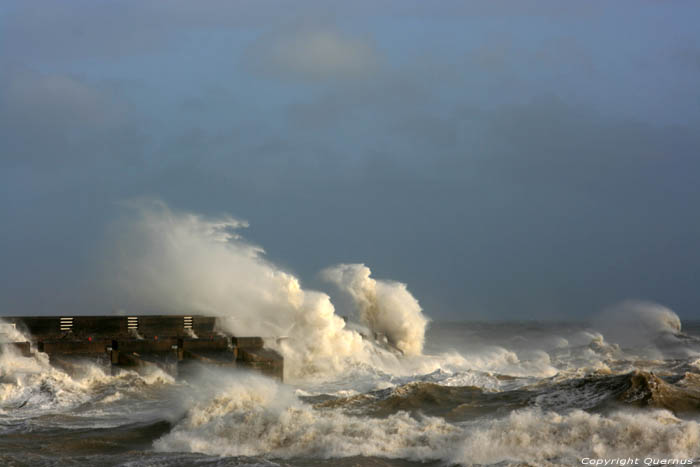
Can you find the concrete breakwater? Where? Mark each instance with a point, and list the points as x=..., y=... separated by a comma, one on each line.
x=170, y=341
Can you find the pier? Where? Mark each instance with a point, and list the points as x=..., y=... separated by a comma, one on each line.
x=169, y=341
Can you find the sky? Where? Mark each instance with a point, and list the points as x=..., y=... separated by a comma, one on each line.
x=505, y=160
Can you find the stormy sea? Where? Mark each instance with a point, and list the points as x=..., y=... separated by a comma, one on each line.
x=510, y=393
x=385, y=387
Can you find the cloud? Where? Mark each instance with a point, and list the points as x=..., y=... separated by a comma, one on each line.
x=314, y=53
x=49, y=118
x=55, y=98
x=688, y=56
x=46, y=30
x=427, y=155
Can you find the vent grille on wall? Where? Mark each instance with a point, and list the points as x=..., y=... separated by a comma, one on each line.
x=132, y=322
x=188, y=322
x=66, y=324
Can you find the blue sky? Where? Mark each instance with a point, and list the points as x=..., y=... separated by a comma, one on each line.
x=504, y=159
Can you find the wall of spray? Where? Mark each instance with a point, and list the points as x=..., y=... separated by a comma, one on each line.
x=160, y=260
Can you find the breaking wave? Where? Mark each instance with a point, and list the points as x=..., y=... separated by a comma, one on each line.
x=550, y=438
x=254, y=417
x=172, y=262
x=384, y=307
x=34, y=384
x=637, y=323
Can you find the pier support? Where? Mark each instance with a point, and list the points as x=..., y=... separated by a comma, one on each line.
x=137, y=341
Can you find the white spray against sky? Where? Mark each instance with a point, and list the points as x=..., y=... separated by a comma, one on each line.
x=168, y=262
x=637, y=323
x=384, y=306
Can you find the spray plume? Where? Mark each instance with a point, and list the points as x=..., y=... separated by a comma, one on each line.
x=183, y=263
x=385, y=307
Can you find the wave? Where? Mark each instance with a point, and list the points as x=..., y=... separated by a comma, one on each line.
x=646, y=326
x=34, y=384
x=164, y=261
x=385, y=307
x=253, y=417
x=453, y=403
x=462, y=403
x=638, y=388
x=448, y=408
x=549, y=438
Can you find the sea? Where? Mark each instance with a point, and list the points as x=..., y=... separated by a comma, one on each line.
x=507, y=393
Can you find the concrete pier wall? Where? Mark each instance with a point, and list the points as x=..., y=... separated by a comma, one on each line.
x=145, y=339
x=115, y=326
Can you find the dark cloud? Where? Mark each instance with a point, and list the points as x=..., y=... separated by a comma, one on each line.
x=688, y=56
x=497, y=169
x=77, y=29
x=82, y=28
x=541, y=207
x=48, y=120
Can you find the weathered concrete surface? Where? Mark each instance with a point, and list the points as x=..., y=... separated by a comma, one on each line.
x=137, y=341
x=248, y=342
x=217, y=350
x=146, y=326
x=74, y=346
x=267, y=361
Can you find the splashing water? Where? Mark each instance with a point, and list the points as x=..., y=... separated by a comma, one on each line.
x=172, y=262
x=384, y=307
x=485, y=393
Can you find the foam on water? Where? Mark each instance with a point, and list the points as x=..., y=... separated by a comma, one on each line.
x=233, y=413
x=255, y=416
x=34, y=385
x=538, y=437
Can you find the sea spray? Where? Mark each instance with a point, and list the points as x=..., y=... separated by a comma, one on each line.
x=33, y=384
x=164, y=261
x=385, y=307
x=170, y=262
x=248, y=415
x=251, y=415
x=449, y=415
x=539, y=437
x=633, y=321
x=652, y=329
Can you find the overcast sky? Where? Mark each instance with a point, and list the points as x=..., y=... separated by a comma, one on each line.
x=504, y=159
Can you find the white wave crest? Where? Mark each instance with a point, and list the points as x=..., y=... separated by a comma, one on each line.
x=639, y=324
x=384, y=307
x=538, y=437
x=255, y=416
x=172, y=262
x=32, y=383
